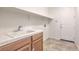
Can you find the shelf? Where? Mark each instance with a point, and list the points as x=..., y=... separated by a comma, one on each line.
x=33, y=13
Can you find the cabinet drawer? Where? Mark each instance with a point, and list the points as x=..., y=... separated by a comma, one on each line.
x=25, y=48
x=37, y=45
x=16, y=45
x=37, y=36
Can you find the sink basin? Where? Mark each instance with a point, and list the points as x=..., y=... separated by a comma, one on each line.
x=13, y=35
x=25, y=32
x=19, y=33
x=4, y=38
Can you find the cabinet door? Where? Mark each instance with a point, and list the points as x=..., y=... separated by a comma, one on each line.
x=25, y=48
x=37, y=36
x=37, y=45
x=14, y=46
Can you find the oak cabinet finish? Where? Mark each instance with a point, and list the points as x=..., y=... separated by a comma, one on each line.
x=25, y=48
x=37, y=42
x=14, y=46
x=37, y=36
x=33, y=43
x=37, y=45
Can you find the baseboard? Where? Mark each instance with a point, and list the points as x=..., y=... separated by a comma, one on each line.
x=67, y=40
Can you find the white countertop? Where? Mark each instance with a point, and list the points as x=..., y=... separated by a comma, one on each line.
x=5, y=39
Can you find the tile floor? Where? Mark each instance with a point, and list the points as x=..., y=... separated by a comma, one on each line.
x=58, y=45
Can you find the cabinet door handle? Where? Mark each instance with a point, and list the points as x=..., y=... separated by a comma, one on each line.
x=33, y=49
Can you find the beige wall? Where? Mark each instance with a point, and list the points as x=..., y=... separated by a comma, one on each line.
x=11, y=18
x=63, y=24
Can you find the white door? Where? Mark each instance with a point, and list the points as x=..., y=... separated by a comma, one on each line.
x=67, y=24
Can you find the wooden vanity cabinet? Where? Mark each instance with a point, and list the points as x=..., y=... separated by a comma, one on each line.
x=37, y=45
x=22, y=44
x=37, y=42
x=33, y=43
x=25, y=48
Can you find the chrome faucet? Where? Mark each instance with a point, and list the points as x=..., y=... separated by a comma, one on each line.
x=19, y=28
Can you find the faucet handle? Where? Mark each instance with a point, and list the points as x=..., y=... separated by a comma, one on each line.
x=19, y=28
